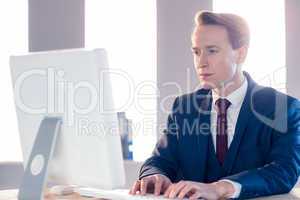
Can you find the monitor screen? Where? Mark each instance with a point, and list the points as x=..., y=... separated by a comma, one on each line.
x=74, y=85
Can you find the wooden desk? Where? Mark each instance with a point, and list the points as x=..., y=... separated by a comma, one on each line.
x=12, y=195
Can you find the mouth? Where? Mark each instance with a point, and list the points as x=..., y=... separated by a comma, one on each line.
x=205, y=75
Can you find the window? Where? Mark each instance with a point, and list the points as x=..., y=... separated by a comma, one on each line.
x=13, y=39
x=128, y=32
x=266, y=56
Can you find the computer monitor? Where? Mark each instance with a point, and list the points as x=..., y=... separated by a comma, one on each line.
x=74, y=85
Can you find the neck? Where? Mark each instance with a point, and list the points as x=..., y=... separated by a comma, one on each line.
x=230, y=86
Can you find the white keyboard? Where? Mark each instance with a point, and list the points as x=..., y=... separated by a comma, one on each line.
x=120, y=194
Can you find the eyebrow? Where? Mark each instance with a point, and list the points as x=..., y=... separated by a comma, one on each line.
x=207, y=47
x=211, y=46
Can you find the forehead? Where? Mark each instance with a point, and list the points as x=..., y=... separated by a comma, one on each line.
x=204, y=35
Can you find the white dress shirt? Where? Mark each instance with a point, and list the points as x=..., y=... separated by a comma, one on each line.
x=236, y=99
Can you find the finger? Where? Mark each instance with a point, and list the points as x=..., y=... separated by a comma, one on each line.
x=158, y=185
x=177, y=188
x=185, y=190
x=169, y=189
x=144, y=184
x=135, y=187
x=165, y=185
x=195, y=196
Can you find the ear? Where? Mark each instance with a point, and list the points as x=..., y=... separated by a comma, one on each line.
x=241, y=54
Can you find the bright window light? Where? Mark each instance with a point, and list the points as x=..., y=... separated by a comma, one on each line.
x=13, y=17
x=266, y=56
x=127, y=29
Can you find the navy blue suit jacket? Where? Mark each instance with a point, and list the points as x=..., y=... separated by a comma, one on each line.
x=264, y=156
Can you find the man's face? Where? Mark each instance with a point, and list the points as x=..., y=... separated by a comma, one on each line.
x=214, y=58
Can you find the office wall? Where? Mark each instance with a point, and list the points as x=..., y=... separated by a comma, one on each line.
x=292, y=47
x=55, y=24
x=175, y=20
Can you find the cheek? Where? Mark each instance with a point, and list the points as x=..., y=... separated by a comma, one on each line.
x=196, y=61
x=231, y=65
x=224, y=68
x=228, y=65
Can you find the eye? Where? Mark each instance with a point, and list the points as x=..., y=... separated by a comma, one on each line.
x=196, y=51
x=213, y=51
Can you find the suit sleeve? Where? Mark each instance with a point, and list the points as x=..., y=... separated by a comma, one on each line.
x=164, y=157
x=281, y=172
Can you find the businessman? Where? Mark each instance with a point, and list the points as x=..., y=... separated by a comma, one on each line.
x=230, y=139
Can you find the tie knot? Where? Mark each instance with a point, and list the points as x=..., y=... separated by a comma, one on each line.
x=222, y=105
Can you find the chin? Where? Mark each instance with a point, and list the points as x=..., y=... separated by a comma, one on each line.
x=207, y=85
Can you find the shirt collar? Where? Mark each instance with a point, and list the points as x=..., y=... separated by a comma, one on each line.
x=236, y=97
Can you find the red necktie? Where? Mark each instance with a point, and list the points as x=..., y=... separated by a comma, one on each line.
x=222, y=137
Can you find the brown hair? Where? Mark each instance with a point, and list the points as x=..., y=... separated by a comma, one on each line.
x=237, y=28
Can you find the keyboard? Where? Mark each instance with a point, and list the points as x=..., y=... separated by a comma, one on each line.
x=8, y=194
x=119, y=194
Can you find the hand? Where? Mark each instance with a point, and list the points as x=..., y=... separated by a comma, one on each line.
x=157, y=183
x=195, y=190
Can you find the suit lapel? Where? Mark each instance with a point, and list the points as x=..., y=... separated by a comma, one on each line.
x=204, y=133
x=240, y=129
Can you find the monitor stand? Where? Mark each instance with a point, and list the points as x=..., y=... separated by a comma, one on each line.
x=36, y=171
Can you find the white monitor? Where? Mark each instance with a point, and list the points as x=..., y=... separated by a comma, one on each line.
x=75, y=85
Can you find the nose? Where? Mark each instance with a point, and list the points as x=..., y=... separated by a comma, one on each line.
x=202, y=61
